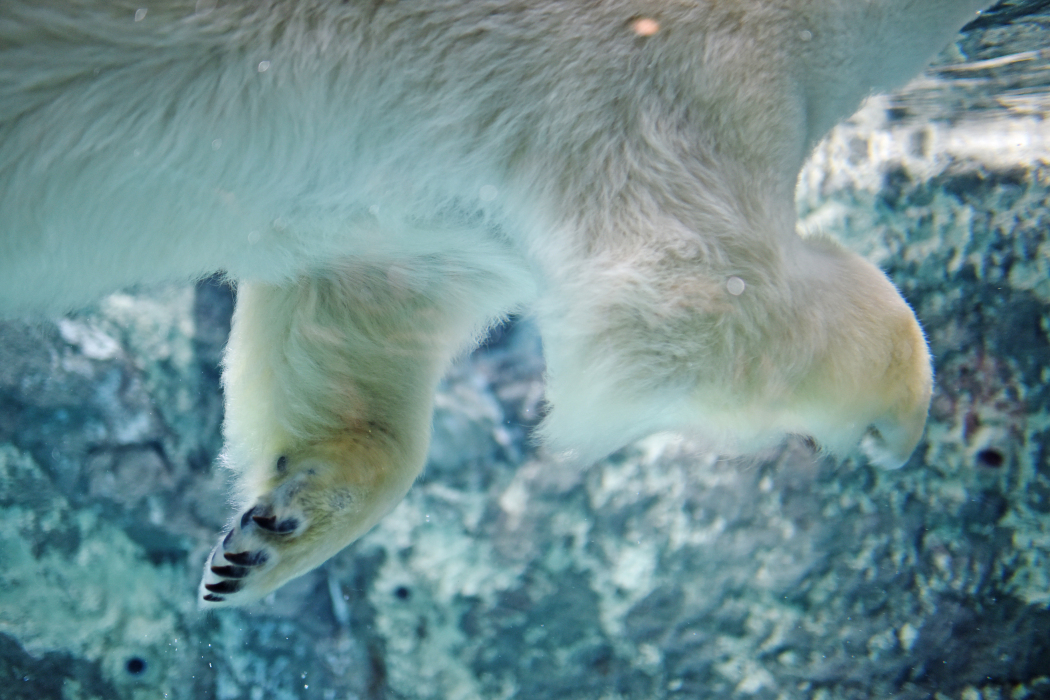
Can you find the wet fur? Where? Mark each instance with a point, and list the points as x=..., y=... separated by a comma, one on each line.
x=386, y=179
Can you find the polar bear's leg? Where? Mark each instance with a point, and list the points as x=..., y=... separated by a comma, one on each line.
x=329, y=388
x=870, y=376
x=816, y=341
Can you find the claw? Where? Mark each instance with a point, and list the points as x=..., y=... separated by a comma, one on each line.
x=224, y=586
x=269, y=522
x=211, y=598
x=246, y=558
x=230, y=571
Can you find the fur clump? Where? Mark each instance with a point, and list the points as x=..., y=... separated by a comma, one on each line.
x=385, y=180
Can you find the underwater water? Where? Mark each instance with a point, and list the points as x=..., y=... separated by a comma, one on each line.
x=660, y=572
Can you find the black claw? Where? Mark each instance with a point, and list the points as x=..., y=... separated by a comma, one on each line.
x=266, y=522
x=269, y=522
x=224, y=586
x=230, y=571
x=247, y=516
x=213, y=598
x=247, y=558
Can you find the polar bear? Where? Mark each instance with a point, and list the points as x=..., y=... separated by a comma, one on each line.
x=386, y=179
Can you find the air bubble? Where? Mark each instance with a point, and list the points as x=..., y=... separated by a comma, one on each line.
x=735, y=286
x=263, y=66
x=140, y=14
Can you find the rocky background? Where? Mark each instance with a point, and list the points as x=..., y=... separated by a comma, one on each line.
x=661, y=572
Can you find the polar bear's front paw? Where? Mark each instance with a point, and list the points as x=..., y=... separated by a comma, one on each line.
x=248, y=560
x=315, y=502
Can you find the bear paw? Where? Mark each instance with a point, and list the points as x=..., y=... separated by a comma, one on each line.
x=256, y=544
x=320, y=499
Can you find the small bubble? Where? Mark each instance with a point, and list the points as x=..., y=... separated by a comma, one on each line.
x=263, y=66
x=735, y=286
x=805, y=35
x=374, y=210
x=140, y=14
x=488, y=193
x=645, y=26
x=253, y=238
x=216, y=144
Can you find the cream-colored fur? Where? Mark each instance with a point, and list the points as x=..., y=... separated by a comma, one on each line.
x=385, y=179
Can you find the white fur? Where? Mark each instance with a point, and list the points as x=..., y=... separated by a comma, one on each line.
x=385, y=179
